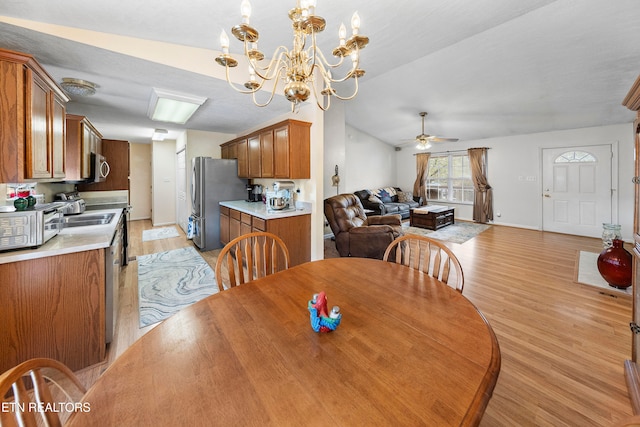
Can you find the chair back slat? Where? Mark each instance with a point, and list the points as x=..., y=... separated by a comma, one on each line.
x=427, y=255
x=259, y=253
x=42, y=382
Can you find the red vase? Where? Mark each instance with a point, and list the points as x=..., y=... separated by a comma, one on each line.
x=615, y=265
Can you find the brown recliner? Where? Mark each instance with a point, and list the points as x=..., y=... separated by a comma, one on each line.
x=356, y=234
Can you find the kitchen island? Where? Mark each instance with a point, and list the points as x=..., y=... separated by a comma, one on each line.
x=54, y=297
x=293, y=226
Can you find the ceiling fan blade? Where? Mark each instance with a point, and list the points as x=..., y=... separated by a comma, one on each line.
x=439, y=139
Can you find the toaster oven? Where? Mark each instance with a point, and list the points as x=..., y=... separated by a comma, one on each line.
x=30, y=228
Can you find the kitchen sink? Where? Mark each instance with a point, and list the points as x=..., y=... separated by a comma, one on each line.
x=84, y=220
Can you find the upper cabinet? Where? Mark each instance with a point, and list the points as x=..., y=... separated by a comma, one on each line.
x=282, y=150
x=32, y=120
x=82, y=140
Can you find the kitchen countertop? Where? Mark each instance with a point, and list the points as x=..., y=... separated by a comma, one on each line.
x=260, y=210
x=70, y=240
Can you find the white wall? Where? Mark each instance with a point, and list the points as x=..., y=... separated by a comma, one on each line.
x=164, y=185
x=140, y=181
x=369, y=162
x=520, y=202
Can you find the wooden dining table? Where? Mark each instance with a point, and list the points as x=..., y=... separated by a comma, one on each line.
x=409, y=350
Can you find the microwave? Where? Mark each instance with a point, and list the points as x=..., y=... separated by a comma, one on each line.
x=99, y=168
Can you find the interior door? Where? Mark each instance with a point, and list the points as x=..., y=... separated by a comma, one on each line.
x=577, y=189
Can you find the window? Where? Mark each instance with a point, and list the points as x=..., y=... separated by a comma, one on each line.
x=449, y=178
x=575, y=157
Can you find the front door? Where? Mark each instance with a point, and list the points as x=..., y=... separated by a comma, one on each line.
x=577, y=189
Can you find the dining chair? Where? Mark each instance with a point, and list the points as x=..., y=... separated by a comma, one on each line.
x=427, y=255
x=39, y=391
x=249, y=257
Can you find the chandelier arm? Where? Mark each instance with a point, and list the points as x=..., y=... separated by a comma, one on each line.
x=315, y=94
x=353, y=95
x=324, y=60
x=273, y=91
x=277, y=55
x=237, y=89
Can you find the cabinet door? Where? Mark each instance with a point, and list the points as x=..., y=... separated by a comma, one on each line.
x=38, y=146
x=255, y=167
x=281, y=152
x=86, y=150
x=234, y=224
x=243, y=161
x=224, y=152
x=224, y=228
x=58, y=138
x=266, y=148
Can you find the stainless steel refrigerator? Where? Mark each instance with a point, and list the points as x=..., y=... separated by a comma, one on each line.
x=212, y=181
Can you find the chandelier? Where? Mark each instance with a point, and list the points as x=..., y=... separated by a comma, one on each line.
x=299, y=66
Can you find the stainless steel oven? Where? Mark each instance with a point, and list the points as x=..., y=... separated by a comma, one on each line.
x=113, y=265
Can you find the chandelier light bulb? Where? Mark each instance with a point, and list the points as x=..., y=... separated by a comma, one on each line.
x=224, y=42
x=355, y=23
x=342, y=34
x=245, y=11
x=312, y=7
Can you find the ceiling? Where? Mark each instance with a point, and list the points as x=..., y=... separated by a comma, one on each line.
x=480, y=68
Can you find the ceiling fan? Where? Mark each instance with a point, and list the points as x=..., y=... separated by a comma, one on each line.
x=423, y=141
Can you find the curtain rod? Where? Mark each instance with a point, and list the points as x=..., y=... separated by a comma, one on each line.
x=454, y=151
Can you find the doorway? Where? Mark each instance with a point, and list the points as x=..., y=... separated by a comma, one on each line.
x=577, y=189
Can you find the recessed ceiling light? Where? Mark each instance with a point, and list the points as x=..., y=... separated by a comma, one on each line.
x=78, y=86
x=173, y=107
x=159, y=134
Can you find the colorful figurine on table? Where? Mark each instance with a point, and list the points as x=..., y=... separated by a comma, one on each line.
x=321, y=320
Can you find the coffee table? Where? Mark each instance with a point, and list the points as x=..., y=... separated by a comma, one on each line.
x=431, y=217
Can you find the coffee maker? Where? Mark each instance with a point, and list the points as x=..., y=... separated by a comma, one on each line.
x=254, y=193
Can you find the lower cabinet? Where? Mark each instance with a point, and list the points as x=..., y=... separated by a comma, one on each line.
x=295, y=231
x=53, y=307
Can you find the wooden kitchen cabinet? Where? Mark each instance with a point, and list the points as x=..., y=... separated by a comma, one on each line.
x=234, y=224
x=54, y=307
x=295, y=231
x=229, y=150
x=292, y=150
x=117, y=154
x=82, y=139
x=254, y=156
x=243, y=158
x=266, y=154
x=282, y=150
x=32, y=111
x=224, y=225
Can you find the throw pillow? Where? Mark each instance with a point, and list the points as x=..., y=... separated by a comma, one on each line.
x=405, y=196
x=374, y=199
x=384, y=196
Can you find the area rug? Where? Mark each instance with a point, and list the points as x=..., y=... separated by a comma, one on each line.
x=459, y=232
x=169, y=281
x=159, y=233
x=587, y=274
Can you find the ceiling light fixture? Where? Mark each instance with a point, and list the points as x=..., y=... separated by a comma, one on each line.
x=173, y=107
x=78, y=87
x=159, y=134
x=296, y=66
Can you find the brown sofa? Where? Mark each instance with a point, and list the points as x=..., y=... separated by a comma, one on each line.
x=356, y=234
x=388, y=201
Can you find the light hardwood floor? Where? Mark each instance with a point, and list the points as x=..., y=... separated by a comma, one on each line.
x=563, y=344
